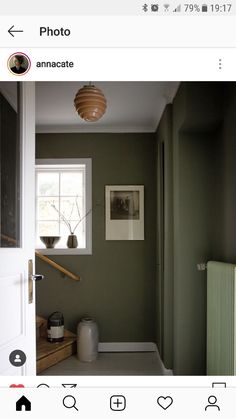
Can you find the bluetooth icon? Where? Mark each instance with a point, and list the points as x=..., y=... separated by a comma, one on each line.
x=145, y=7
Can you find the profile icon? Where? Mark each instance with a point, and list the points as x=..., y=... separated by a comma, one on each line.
x=17, y=358
x=212, y=400
x=19, y=64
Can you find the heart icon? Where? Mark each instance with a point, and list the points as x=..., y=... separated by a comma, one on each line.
x=165, y=402
x=16, y=386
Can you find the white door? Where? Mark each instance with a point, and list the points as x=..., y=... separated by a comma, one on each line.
x=17, y=157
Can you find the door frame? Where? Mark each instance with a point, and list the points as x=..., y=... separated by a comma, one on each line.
x=165, y=237
x=27, y=107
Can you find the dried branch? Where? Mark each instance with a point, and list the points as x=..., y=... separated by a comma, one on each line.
x=67, y=222
x=62, y=217
x=87, y=213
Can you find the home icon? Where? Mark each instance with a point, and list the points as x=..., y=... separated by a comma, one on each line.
x=23, y=404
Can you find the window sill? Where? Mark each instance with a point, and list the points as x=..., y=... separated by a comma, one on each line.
x=66, y=251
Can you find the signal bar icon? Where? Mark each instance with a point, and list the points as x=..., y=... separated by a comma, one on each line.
x=178, y=9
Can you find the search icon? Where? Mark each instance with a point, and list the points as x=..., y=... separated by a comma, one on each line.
x=69, y=402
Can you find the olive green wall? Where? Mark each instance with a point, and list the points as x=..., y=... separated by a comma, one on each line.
x=118, y=279
x=204, y=206
x=196, y=176
x=227, y=135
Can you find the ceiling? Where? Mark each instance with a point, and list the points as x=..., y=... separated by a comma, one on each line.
x=131, y=106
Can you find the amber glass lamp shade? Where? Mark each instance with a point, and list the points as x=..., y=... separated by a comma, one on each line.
x=90, y=103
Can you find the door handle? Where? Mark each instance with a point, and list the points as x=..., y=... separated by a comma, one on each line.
x=30, y=282
x=37, y=277
x=31, y=278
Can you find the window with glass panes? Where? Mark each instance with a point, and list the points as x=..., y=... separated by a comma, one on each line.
x=61, y=204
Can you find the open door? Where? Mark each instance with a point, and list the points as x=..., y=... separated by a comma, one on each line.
x=17, y=157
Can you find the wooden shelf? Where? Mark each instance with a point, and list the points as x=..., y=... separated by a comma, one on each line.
x=49, y=354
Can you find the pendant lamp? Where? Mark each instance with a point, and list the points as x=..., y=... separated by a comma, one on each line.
x=90, y=103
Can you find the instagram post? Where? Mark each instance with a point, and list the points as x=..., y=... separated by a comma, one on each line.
x=117, y=209
x=129, y=194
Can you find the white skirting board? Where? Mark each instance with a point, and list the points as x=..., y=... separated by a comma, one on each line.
x=127, y=347
x=133, y=347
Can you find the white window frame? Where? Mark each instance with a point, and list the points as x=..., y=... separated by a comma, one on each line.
x=88, y=196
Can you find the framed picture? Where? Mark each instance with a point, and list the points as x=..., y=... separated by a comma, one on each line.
x=124, y=212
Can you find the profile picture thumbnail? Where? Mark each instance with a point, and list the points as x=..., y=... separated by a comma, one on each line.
x=19, y=64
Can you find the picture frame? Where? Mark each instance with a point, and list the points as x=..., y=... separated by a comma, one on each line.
x=124, y=212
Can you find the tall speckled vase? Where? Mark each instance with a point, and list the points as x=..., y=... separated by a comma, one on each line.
x=72, y=241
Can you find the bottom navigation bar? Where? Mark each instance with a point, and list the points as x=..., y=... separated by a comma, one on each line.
x=133, y=402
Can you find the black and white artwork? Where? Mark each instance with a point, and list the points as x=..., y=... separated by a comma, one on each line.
x=124, y=212
x=124, y=205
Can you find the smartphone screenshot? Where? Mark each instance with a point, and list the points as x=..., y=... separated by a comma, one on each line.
x=117, y=209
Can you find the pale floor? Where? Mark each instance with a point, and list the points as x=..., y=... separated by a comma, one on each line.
x=111, y=363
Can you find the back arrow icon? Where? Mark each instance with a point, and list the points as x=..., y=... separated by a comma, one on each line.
x=12, y=30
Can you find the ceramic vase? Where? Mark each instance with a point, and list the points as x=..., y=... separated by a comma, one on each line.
x=50, y=241
x=87, y=340
x=72, y=241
